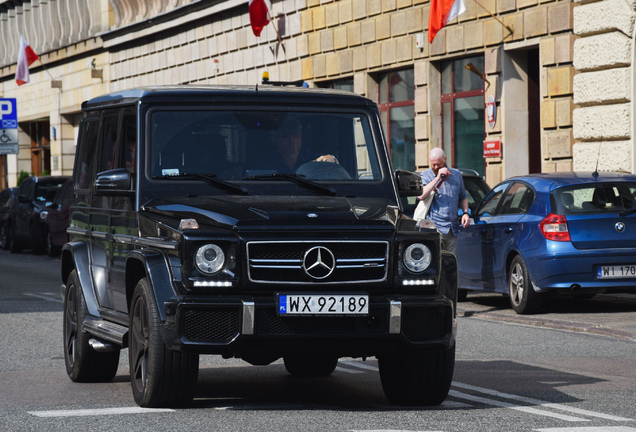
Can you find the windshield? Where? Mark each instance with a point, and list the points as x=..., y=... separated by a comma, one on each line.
x=46, y=192
x=246, y=145
x=593, y=198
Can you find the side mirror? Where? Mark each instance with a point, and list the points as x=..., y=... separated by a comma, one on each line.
x=409, y=183
x=113, y=182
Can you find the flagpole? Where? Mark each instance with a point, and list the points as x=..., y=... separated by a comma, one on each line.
x=492, y=15
x=275, y=29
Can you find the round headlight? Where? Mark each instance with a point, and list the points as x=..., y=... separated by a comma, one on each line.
x=417, y=257
x=209, y=259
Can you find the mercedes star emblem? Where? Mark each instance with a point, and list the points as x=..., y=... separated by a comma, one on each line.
x=620, y=226
x=319, y=262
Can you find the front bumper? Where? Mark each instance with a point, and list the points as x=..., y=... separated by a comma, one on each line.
x=239, y=326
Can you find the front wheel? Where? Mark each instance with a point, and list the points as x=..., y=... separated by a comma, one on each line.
x=14, y=245
x=4, y=237
x=51, y=249
x=523, y=298
x=159, y=377
x=308, y=365
x=38, y=242
x=83, y=363
x=421, y=378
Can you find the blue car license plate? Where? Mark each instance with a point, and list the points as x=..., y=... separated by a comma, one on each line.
x=323, y=304
x=616, y=271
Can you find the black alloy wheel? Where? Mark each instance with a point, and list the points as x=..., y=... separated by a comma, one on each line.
x=83, y=363
x=159, y=377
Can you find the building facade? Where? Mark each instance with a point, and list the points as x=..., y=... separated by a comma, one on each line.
x=546, y=84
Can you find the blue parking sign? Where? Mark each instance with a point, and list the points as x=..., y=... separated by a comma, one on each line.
x=8, y=114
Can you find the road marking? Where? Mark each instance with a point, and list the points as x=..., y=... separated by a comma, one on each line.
x=99, y=411
x=538, y=402
x=526, y=400
x=359, y=365
x=589, y=429
x=46, y=296
x=530, y=410
x=351, y=371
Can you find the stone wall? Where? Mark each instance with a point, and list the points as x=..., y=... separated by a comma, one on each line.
x=324, y=40
x=603, y=86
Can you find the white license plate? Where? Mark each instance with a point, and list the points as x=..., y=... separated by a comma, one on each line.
x=616, y=271
x=323, y=304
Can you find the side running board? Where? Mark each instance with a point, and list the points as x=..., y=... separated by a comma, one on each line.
x=106, y=331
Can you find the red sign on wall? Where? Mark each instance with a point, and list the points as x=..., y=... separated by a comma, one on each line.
x=492, y=148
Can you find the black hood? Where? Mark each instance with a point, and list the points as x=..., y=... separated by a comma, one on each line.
x=236, y=212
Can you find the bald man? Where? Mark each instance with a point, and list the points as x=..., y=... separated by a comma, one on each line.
x=450, y=196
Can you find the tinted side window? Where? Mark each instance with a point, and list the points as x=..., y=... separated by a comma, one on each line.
x=517, y=200
x=109, y=143
x=27, y=188
x=129, y=142
x=85, y=159
x=491, y=202
x=67, y=194
x=476, y=190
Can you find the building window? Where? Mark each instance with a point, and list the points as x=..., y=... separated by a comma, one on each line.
x=397, y=111
x=463, y=113
x=345, y=84
x=39, y=132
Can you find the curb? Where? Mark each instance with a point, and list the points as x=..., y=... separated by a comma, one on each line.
x=534, y=321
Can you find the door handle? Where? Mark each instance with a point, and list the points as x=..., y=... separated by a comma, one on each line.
x=508, y=230
x=482, y=231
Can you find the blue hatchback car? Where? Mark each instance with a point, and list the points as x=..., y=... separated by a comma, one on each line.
x=570, y=233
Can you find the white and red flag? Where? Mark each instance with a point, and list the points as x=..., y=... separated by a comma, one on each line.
x=26, y=56
x=259, y=15
x=442, y=11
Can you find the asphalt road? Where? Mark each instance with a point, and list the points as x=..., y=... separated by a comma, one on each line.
x=510, y=376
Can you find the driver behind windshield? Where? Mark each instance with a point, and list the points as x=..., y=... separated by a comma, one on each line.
x=289, y=153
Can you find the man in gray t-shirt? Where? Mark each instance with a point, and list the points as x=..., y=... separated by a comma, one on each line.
x=450, y=195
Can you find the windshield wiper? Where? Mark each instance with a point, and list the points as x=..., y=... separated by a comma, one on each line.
x=296, y=179
x=627, y=212
x=210, y=178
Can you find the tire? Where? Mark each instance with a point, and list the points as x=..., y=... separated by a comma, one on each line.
x=5, y=238
x=38, y=243
x=462, y=295
x=523, y=298
x=14, y=244
x=83, y=363
x=51, y=250
x=417, y=378
x=310, y=365
x=159, y=377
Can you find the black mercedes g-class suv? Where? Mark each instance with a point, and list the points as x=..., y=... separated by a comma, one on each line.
x=249, y=222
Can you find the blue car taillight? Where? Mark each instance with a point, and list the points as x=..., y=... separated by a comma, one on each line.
x=555, y=227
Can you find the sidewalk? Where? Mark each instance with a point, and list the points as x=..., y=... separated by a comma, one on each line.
x=612, y=315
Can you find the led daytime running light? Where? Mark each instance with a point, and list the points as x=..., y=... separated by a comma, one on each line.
x=213, y=284
x=412, y=282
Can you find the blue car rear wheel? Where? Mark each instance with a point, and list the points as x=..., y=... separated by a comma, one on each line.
x=523, y=298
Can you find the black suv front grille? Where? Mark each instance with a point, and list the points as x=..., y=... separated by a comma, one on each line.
x=324, y=262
